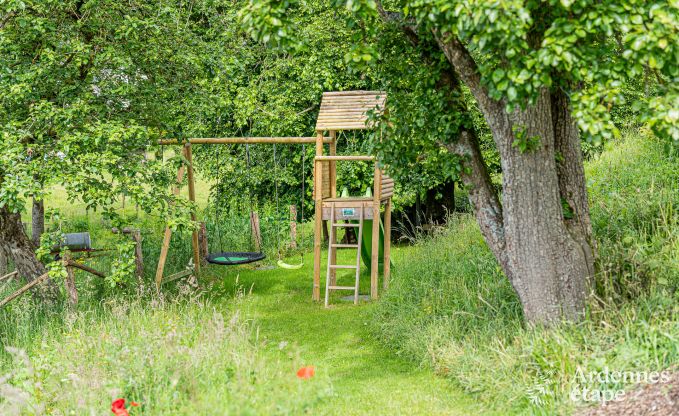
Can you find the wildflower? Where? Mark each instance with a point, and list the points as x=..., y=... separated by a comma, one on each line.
x=305, y=373
x=118, y=407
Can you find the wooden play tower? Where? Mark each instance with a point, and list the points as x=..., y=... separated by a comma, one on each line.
x=345, y=110
x=348, y=110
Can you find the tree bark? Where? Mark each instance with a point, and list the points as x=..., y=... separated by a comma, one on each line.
x=571, y=173
x=15, y=242
x=543, y=259
x=37, y=221
x=4, y=261
x=548, y=266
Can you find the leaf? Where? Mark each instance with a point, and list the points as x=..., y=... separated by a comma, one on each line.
x=498, y=74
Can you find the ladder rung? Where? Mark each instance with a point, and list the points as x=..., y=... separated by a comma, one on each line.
x=339, y=224
x=342, y=288
x=342, y=266
x=345, y=245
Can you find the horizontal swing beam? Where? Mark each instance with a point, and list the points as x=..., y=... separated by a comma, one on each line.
x=247, y=140
x=344, y=158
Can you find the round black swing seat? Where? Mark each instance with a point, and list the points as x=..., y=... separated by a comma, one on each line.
x=230, y=258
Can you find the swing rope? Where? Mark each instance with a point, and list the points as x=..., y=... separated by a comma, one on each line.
x=281, y=263
x=227, y=258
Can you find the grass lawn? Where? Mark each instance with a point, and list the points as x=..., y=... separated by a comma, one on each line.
x=365, y=377
x=231, y=346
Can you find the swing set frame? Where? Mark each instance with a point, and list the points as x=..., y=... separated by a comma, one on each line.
x=187, y=169
x=345, y=110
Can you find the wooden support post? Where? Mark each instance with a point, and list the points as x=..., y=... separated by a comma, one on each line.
x=21, y=291
x=256, y=233
x=202, y=243
x=332, y=151
x=387, y=244
x=318, y=217
x=293, y=226
x=86, y=269
x=138, y=255
x=375, y=252
x=192, y=198
x=332, y=170
x=168, y=235
x=9, y=276
x=69, y=282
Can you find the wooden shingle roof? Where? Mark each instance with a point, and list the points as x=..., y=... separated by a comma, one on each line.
x=348, y=110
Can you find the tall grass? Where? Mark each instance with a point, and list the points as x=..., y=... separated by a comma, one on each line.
x=156, y=354
x=450, y=307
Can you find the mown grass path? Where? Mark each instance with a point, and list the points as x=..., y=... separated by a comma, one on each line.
x=366, y=377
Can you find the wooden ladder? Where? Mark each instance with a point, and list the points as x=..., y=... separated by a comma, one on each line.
x=332, y=244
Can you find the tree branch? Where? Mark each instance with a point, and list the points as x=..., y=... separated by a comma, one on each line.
x=482, y=195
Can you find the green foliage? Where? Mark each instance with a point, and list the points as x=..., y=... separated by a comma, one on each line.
x=83, y=91
x=123, y=265
x=633, y=188
x=523, y=142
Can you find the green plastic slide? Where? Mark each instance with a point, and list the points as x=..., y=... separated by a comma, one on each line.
x=366, y=244
x=367, y=239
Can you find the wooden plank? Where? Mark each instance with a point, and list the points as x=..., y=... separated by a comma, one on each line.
x=23, y=289
x=9, y=275
x=318, y=219
x=87, y=269
x=203, y=243
x=168, y=232
x=347, y=157
x=256, y=231
x=293, y=226
x=352, y=93
x=138, y=255
x=326, y=127
x=337, y=117
x=332, y=150
x=332, y=253
x=342, y=214
x=178, y=275
x=192, y=198
x=347, y=100
x=349, y=111
x=387, y=245
x=243, y=140
x=374, y=255
x=69, y=282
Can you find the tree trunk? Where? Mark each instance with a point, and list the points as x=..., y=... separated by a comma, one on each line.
x=37, y=221
x=549, y=268
x=15, y=241
x=571, y=173
x=4, y=261
x=543, y=259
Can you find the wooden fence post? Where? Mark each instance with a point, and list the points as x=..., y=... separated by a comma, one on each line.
x=202, y=243
x=256, y=234
x=4, y=263
x=293, y=226
x=69, y=282
x=138, y=255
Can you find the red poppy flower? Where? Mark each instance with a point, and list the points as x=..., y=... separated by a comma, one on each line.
x=118, y=407
x=134, y=404
x=306, y=373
